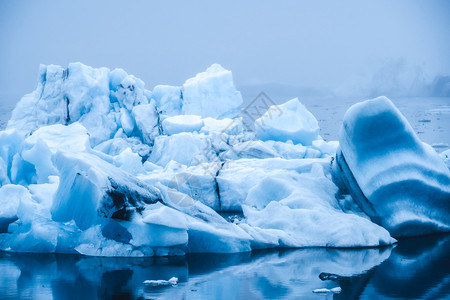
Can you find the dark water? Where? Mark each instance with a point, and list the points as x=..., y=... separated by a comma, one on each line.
x=413, y=269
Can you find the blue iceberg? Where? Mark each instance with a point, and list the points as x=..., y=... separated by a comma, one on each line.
x=93, y=163
x=396, y=179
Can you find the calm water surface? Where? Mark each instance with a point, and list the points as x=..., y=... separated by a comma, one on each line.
x=413, y=269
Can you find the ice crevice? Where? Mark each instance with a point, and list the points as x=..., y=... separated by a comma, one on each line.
x=92, y=162
x=217, y=186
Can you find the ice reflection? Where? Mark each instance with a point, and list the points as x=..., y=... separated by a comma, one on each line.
x=415, y=268
x=279, y=274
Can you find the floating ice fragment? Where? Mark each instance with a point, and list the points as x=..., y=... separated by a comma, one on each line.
x=335, y=290
x=161, y=282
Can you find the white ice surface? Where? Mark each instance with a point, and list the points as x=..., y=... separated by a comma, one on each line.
x=168, y=100
x=182, y=123
x=288, y=121
x=301, y=211
x=147, y=123
x=226, y=125
x=186, y=148
x=10, y=196
x=237, y=177
x=211, y=94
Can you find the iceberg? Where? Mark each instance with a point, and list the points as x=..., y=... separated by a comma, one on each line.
x=400, y=182
x=288, y=121
x=211, y=94
x=93, y=163
x=76, y=94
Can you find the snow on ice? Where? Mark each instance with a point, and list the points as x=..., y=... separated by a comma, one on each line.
x=93, y=163
x=288, y=121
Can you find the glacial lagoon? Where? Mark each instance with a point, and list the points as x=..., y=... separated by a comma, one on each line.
x=417, y=268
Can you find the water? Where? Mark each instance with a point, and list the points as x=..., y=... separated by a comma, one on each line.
x=416, y=268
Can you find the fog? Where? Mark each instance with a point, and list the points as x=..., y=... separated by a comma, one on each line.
x=341, y=47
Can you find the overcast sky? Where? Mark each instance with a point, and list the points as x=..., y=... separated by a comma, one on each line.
x=322, y=44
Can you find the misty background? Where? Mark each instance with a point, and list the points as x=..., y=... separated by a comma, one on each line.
x=296, y=48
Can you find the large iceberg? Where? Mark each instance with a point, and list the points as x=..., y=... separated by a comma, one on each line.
x=288, y=121
x=209, y=94
x=93, y=163
x=399, y=181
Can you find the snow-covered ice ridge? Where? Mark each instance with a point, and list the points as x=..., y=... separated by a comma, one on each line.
x=91, y=162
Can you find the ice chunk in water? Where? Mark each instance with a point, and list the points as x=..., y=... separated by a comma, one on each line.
x=399, y=181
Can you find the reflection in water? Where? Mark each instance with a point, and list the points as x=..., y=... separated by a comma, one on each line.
x=415, y=268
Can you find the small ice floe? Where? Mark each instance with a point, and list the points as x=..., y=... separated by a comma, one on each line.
x=443, y=109
x=335, y=290
x=439, y=145
x=171, y=281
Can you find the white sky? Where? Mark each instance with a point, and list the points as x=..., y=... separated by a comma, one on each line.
x=301, y=43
